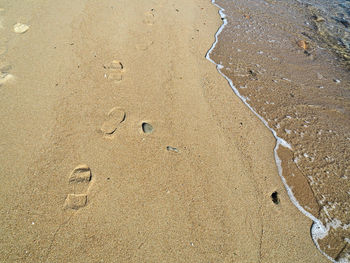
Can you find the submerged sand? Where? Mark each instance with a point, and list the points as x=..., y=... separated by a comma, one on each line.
x=83, y=182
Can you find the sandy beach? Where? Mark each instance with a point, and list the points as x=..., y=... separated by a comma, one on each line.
x=121, y=142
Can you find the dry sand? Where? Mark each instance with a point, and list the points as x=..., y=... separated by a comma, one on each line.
x=84, y=78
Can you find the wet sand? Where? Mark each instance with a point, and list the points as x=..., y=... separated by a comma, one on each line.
x=84, y=179
x=302, y=91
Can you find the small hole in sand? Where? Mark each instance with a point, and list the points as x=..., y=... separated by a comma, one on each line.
x=147, y=128
x=274, y=197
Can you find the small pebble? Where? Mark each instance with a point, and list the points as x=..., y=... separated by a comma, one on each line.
x=20, y=28
x=319, y=19
x=147, y=128
x=319, y=76
x=286, y=79
x=302, y=44
x=173, y=149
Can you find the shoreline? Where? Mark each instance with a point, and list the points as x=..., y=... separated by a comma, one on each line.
x=278, y=83
x=85, y=181
x=317, y=230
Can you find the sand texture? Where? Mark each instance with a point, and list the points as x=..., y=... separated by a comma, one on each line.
x=84, y=179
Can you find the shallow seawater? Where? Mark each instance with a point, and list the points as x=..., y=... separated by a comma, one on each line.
x=336, y=15
x=332, y=21
x=284, y=62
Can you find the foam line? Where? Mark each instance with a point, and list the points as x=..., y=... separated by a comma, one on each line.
x=318, y=230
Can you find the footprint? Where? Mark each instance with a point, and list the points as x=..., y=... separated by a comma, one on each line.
x=144, y=44
x=149, y=18
x=80, y=179
x=115, y=71
x=81, y=173
x=76, y=201
x=114, y=117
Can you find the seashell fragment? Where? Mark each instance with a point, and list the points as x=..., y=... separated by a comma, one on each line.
x=302, y=44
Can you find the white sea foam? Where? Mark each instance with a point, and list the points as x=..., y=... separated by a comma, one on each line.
x=318, y=230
